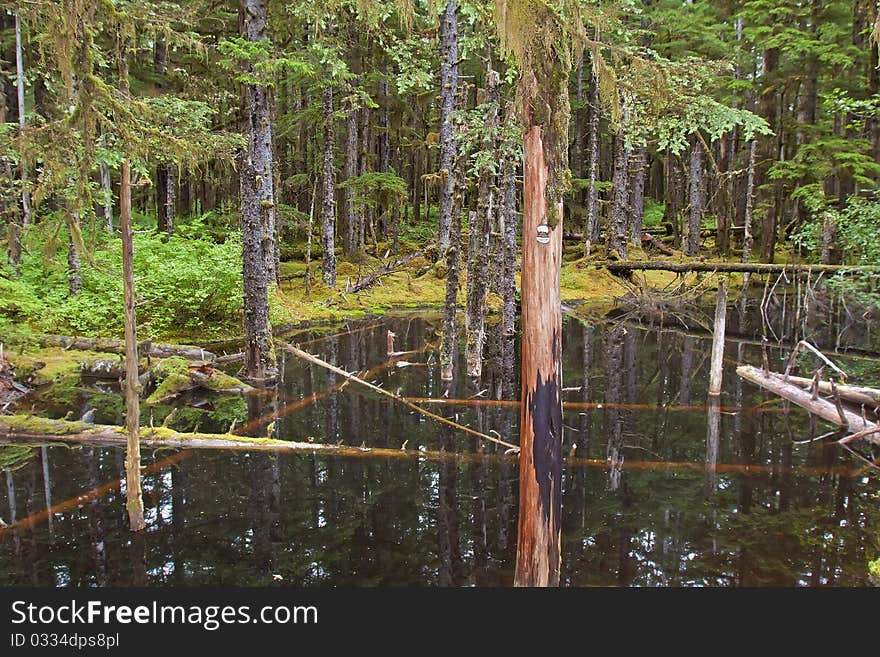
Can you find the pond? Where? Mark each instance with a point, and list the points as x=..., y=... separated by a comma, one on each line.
x=652, y=496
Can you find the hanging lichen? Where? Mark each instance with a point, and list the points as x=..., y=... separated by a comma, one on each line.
x=544, y=38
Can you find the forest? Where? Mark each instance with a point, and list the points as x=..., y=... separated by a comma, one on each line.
x=539, y=292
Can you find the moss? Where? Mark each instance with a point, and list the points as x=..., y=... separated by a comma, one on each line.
x=42, y=366
x=221, y=382
x=33, y=424
x=64, y=391
x=173, y=384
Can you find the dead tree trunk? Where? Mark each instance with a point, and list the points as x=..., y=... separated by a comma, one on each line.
x=134, y=499
x=540, y=486
x=448, y=142
x=718, y=329
x=257, y=212
x=328, y=197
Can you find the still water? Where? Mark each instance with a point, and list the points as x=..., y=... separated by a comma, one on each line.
x=652, y=497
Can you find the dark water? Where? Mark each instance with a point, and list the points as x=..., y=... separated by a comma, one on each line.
x=678, y=504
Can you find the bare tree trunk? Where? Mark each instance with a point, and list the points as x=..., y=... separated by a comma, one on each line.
x=328, y=200
x=697, y=197
x=617, y=234
x=349, y=233
x=133, y=496
x=257, y=212
x=508, y=222
x=448, y=142
x=750, y=202
x=164, y=172
x=478, y=252
x=594, y=143
x=539, y=556
x=448, y=348
x=74, y=266
x=20, y=82
x=717, y=365
x=107, y=194
x=639, y=163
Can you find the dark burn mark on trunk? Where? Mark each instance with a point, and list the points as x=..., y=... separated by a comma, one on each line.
x=546, y=410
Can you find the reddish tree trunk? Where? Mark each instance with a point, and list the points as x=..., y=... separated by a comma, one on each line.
x=540, y=487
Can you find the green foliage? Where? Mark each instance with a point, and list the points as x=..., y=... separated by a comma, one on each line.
x=186, y=287
x=373, y=189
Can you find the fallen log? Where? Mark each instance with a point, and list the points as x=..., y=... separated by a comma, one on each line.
x=23, y=429
x=825, y=409
x=114, y=346
x=368, y=281
x=869, y=397
x=176, y=379
x=744, y=267
x=653, y=242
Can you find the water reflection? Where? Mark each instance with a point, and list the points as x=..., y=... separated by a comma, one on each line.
x=654, y=494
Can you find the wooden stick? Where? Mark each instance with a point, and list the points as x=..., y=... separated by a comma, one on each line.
x=859, y=434
x=317, y=361
x=807, y=345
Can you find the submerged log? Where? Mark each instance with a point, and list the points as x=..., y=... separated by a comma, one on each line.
x=825, y=409
x=22, y=429
x=114, y=346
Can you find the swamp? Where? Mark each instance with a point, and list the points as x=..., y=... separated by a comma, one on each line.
x=479, y=293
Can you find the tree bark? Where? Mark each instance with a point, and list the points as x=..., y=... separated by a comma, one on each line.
x=448, y=142
x=507, y=223
x=328, y=196
x=478, y=252
x=134, y=498
x=591, y=230
x=617, y=235
x=448, y=348
x=349, y=232
x=257, y=211
x=638, y=170
x=164, y=172
x=540, y=489
x=20, y=82
x=697, y=197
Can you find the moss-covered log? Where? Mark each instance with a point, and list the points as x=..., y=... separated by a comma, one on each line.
x=177, y=375
x=114, y=346
x=24, y=429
